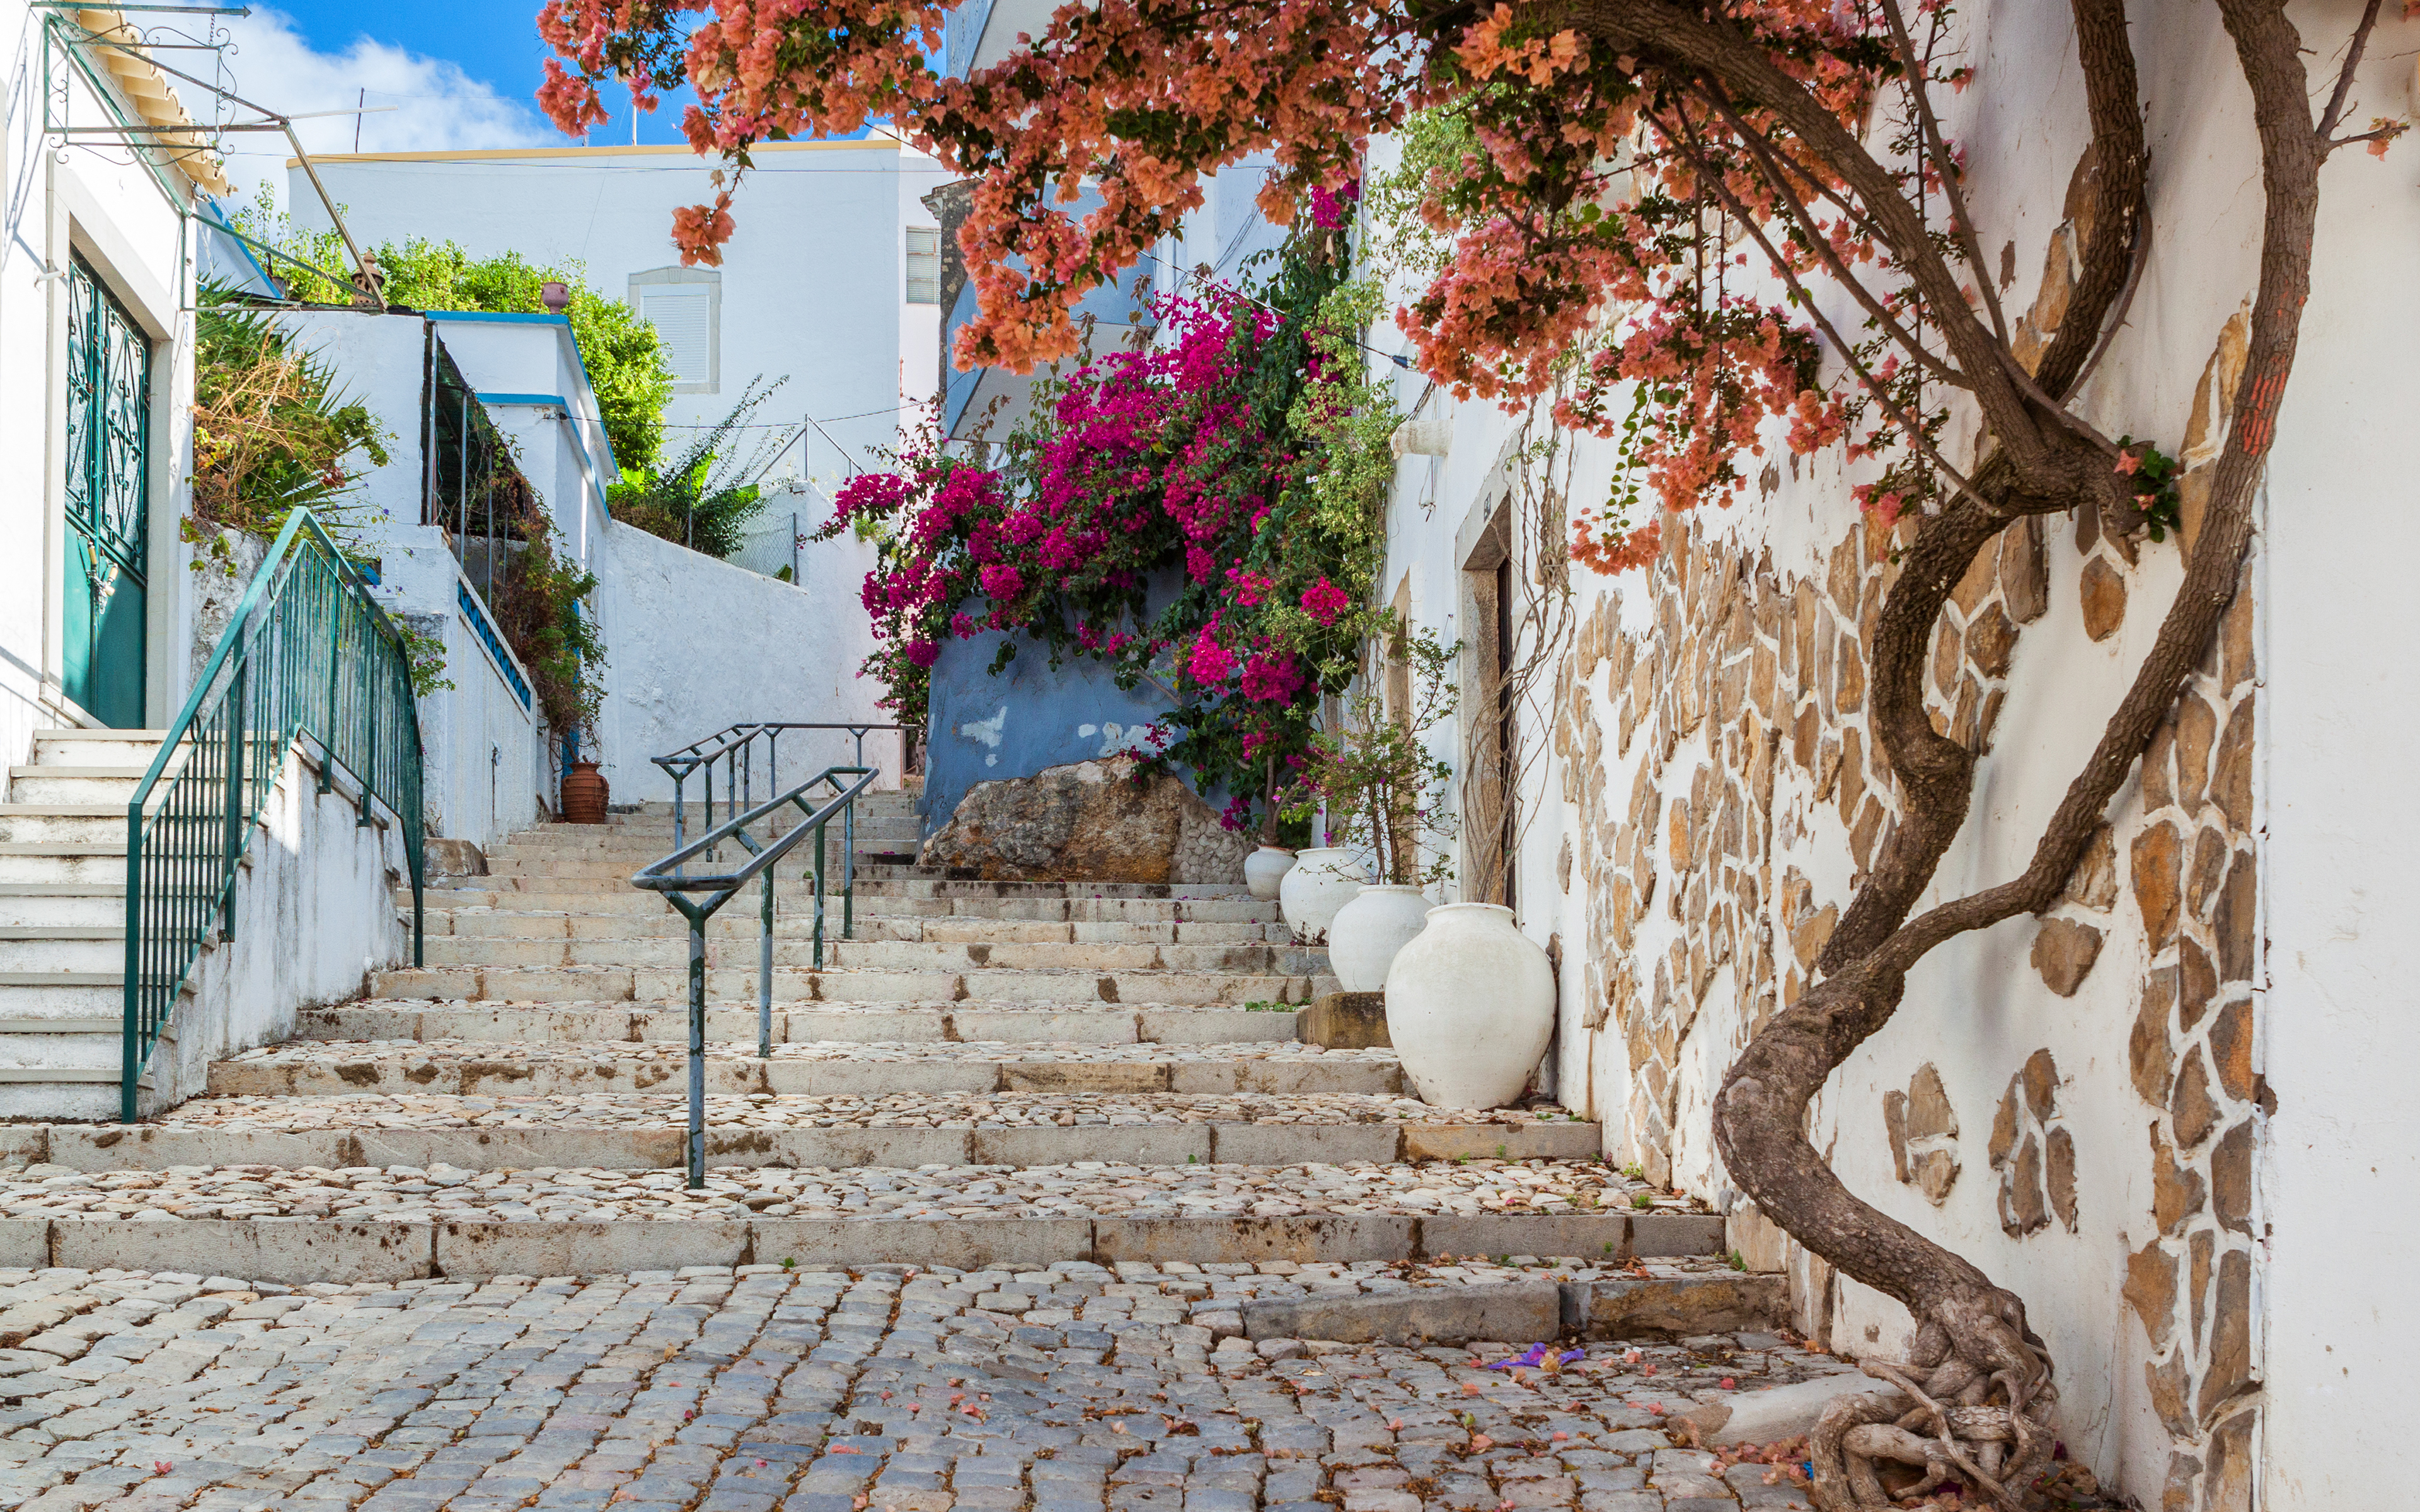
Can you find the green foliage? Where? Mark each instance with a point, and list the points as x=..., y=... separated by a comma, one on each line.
x=273, y=431
x=424, y=655
x=1434, y=143
x=622, y=354
x=1385, y=792
x=702, y=499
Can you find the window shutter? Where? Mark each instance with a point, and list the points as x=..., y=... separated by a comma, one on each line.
x=683, y=317
x=923, y=266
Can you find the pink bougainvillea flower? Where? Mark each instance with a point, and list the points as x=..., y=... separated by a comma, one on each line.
x=1001, y=581
x=1324, y=601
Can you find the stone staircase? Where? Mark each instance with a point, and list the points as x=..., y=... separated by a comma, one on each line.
x=988, y=1073
x=63, y=922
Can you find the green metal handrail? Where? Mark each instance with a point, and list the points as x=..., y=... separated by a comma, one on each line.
x=671, y=877
x=308, y=652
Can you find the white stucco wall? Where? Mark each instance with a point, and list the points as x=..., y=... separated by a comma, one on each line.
x=696, y=645
x=314, y=916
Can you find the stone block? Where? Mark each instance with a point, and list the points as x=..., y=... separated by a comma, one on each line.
x=610, y=1150
x=1204, y=1241
x=1678, y=1306
x=1214, y=1026
x=1082, y=1076
x=113, y=1147
x=1654, y=1234
x=289, y=1252
x=1154, y=1144
x=1346, y=1021
x=1305, y=1144
x=1076, y=1027
x=967, y=1244
x=25, y=1244
x=1500, y=1141
x=1588, y=1236
x=1519, y=1310
x=875, y=1078
x=836, y=1148
x=485, y=1249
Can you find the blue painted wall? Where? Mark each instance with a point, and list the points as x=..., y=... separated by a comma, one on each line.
x=1030, y=717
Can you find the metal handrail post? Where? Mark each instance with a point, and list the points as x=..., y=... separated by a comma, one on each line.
x=696, y=1043
x=820, y=897
x=765, y=974
x=234, y=795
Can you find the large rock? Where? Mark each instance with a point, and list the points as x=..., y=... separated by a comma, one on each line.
x=1088, y=821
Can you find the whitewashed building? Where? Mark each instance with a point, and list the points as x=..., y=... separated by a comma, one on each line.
x=2172, y=1112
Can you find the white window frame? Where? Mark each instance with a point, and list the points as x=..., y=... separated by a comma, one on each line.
x=712, y=283
x=908, y=262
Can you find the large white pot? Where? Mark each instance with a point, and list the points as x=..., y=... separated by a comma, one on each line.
x=1265, y=869
x=1471, y=1006
x=1324, y=880
x=1369, y=930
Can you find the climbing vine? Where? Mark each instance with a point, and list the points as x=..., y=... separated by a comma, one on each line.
x=1205, y=516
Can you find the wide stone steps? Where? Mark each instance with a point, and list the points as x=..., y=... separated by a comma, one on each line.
x=646, y=1132
x=332, y=1068
x=737, y=924
x=983, y=1074
x=471, y=1246
x=729, y=1023
x=63, y=922
x=795, y=949
x=669, y=983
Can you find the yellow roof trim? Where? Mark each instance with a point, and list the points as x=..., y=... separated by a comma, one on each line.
x=154, y=97
x=871, y=144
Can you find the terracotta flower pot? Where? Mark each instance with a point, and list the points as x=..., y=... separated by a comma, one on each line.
x=585, y=794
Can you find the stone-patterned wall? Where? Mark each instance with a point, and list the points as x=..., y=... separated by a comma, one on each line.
x=1744, y=704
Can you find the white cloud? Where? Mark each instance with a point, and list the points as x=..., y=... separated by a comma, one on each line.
x=437, y=106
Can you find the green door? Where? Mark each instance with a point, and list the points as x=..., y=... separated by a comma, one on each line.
x=109, y=448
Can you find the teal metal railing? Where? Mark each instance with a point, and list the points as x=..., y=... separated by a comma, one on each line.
x=310, y=654
x=671, y=877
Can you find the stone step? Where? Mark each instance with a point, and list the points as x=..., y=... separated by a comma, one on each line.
x=401, y=1223
x=736, y=923
x=506, y=894
x=83, y=824
x=615, y=984
x=651, y=842
x=823, y=1024
x=335, y=1068
x=283, y=1252
x=88, y=747
x=78, y=905
x=646, y=1132
x=796, y=949
x=81, y=786
x=46, y=947
x=94, y=863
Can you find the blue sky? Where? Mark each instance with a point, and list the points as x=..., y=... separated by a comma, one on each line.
x=493, y=41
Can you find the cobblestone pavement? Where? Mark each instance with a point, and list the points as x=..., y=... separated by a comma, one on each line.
x=770, y=1110
x=1089, y=1187
x=1076, y=1389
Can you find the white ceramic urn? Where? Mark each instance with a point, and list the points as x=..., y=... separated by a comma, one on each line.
x=1324, y=880
x=1369, y=930
x=1470, y=1007
x=1265, y=869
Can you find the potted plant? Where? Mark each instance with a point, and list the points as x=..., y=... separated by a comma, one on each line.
x=1385, y=797
x=1265, y=869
